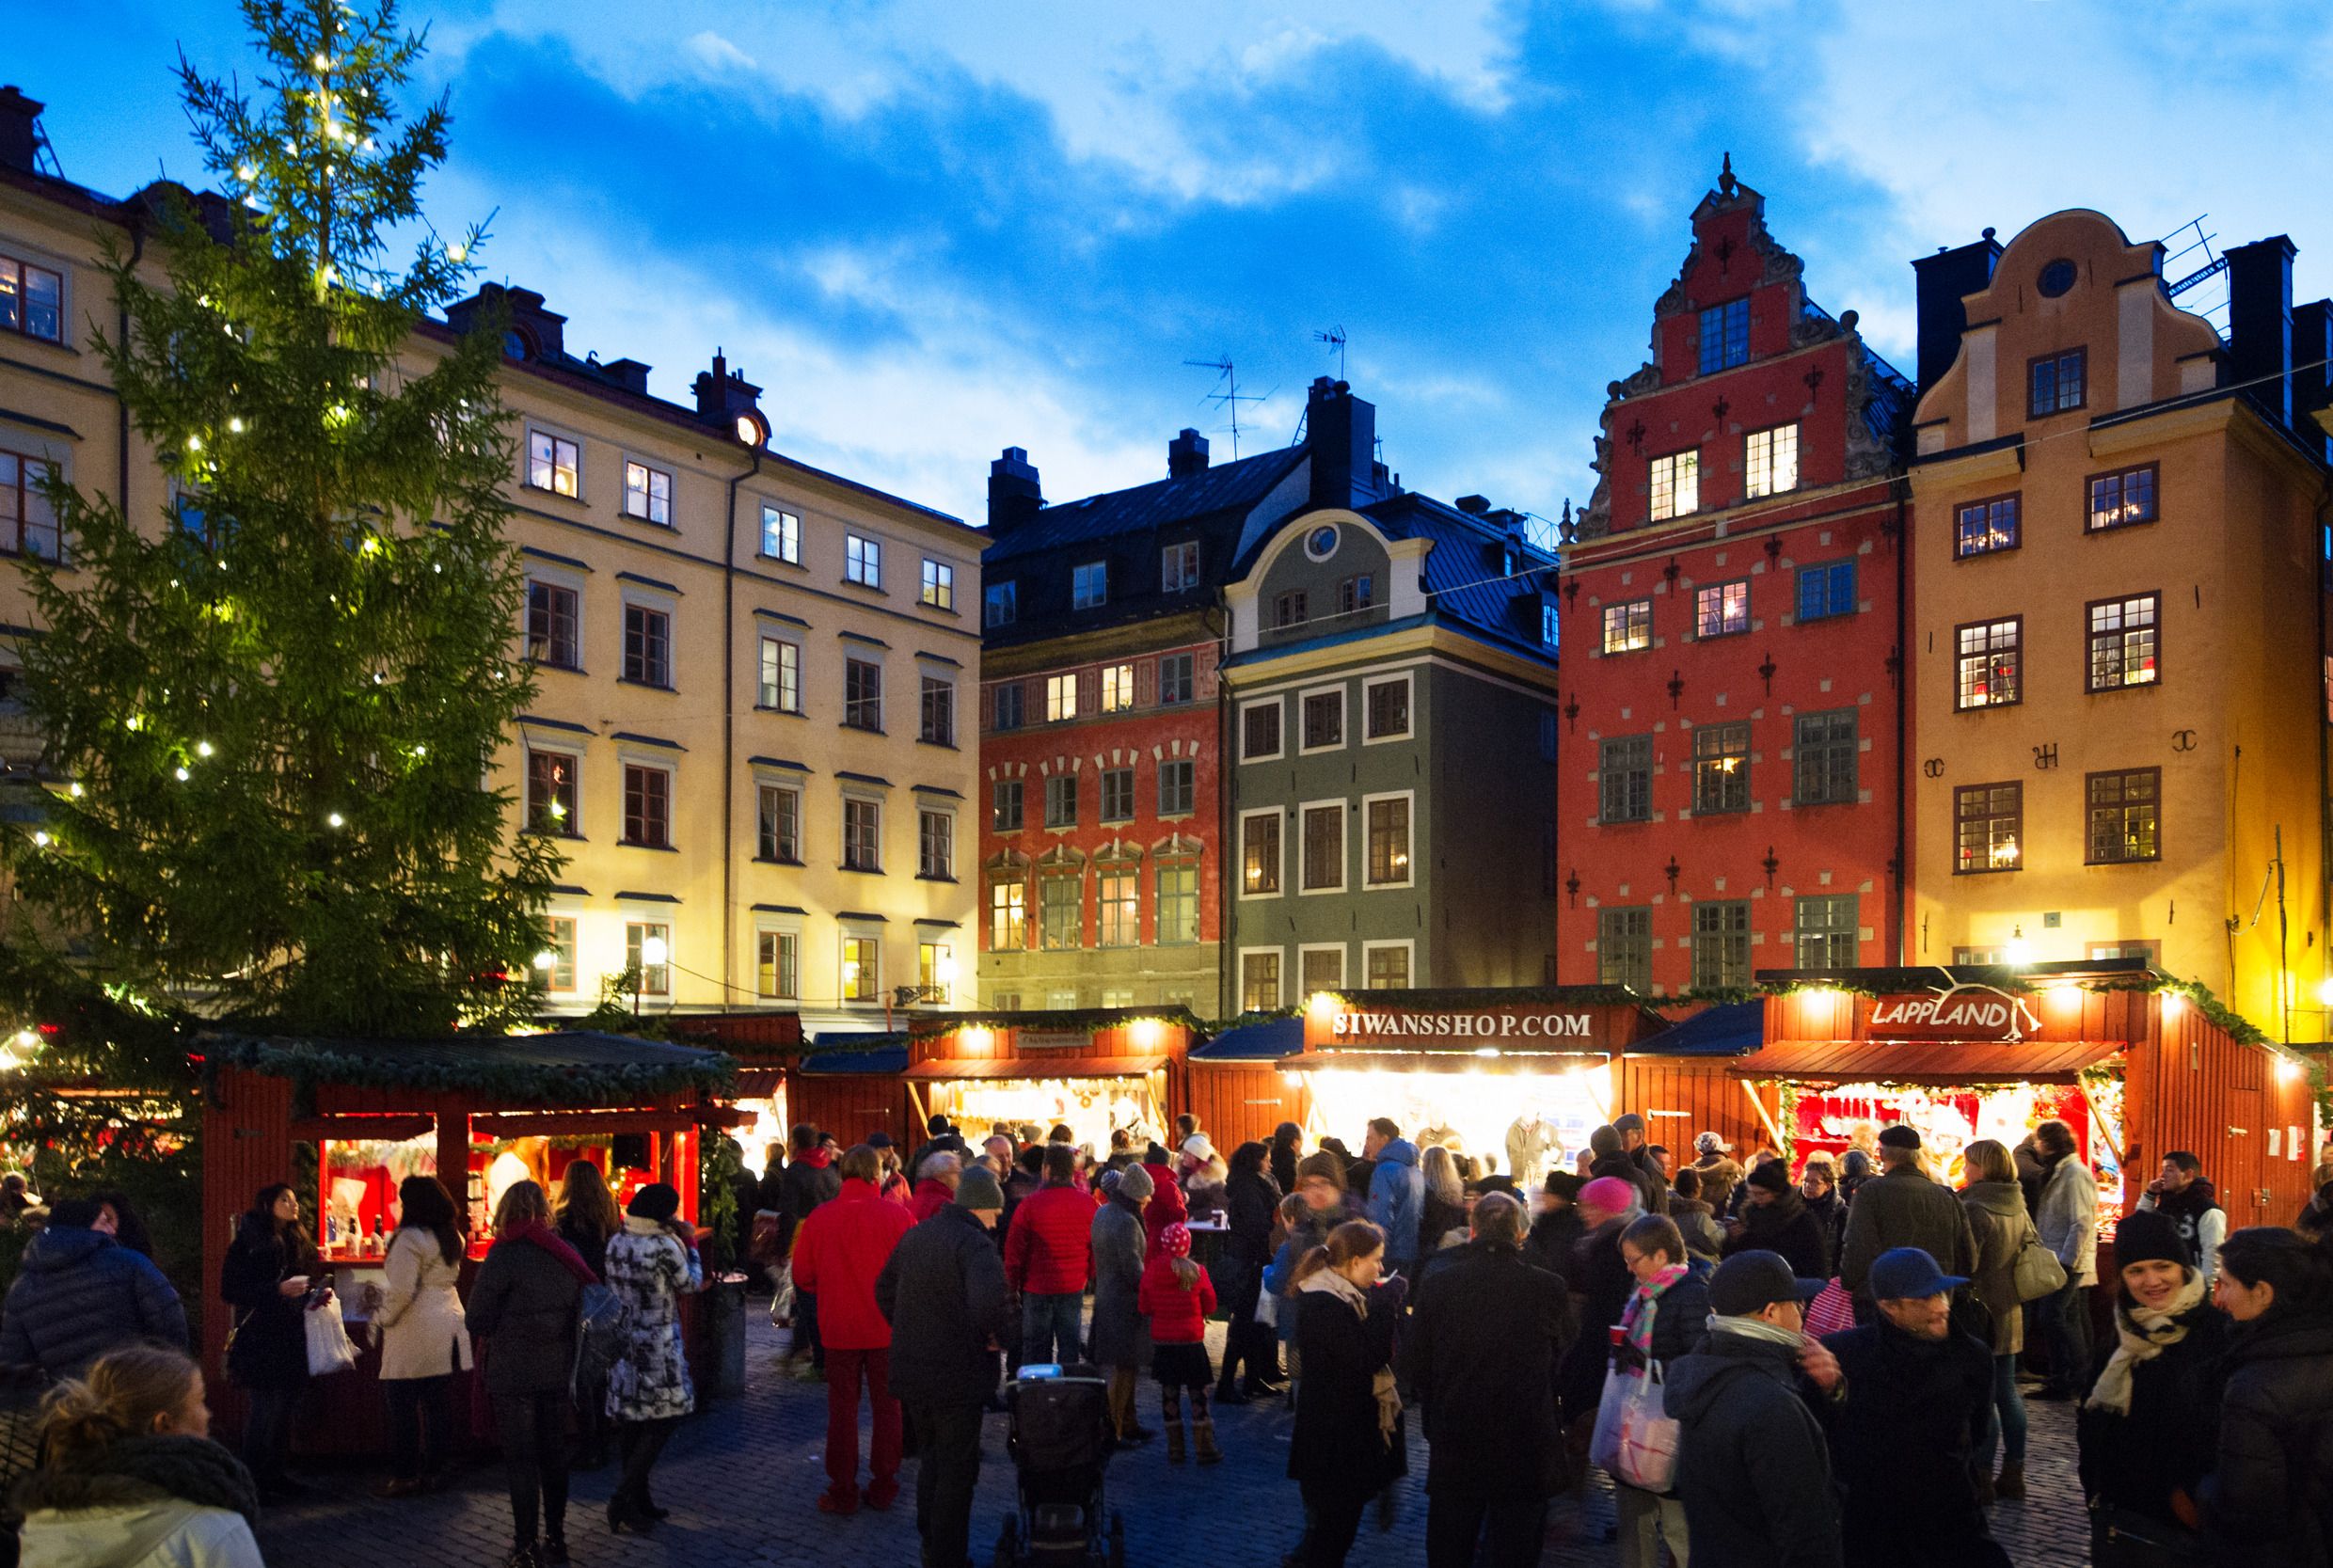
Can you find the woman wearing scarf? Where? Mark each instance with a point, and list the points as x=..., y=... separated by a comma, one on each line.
x=2149, y=1426
x=131, y=1476
x=1347, y=1413
x=1666, y=1317
x=524, y=1303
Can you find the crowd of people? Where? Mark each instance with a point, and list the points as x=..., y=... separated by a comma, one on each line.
x=1766, y=1369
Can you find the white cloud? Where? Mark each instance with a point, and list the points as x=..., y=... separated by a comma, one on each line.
x=717, y=52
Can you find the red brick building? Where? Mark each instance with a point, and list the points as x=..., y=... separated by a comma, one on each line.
x=1733, y=631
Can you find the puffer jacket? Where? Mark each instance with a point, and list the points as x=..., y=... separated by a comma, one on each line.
x=1177, y=1316
x=1050, y=1249
x=144, y=1502
x=1397, y=1200
x=2269, y=1502
x=79, y=1294
x=837, y=1253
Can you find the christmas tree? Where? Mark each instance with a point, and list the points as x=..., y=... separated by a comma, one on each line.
x=270, y=714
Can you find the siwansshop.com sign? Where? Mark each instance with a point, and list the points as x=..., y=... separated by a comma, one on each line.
x=1965, y=1012
x=1482, y=1027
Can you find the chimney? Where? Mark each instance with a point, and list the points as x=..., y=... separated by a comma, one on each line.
x=2312, y=379
x=2260, y=324
x=1941, y=282
x=1474, y=506
x=723, y=393
x=20, y=129
x=1342, y=435
x=1014, y=494
x=1186, y=455
x=630, y=374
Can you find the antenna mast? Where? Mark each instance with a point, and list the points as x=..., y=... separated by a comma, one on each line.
x=1226, y=393
x=1334, y=338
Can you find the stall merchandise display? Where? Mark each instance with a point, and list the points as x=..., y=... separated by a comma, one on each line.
x=1091, y=1108
x=1488, y=1117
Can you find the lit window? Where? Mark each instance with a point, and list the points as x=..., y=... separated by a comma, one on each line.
x=1676, y=485
x=1060, y=697
x=780, y=675
x=1826, y=591
x=2054, y=383
x=1990, y=822
x=1725, y=335
x=862, y=694
x=1089, y=584
x=32, y=300
x=1986, y=661
x=935, y=971
x=648, y=494
x=862, y=968
x=647, y=807
x=1118, y=905
x=2119, y=499
x=1009, y=916
x=1388, y=841
x=552, y=462
x=1178, y=903
x=2123, y=815
x=561, y=976
x=1720, y=768
x=1388, y=967
x=939, y=584
x=1259, y=981
x=862, y=561
x=781, y=534
x=1319, y=969
x=550, y=795
x=938, y=711
x=554, y=626
x=778, y=826
x=863, y=835
x=2122, y=642
x=1118, y=688
x=1260, y=852
x=654, y=979
x=776, y=968
x=1772, y=460
x=1986, y=526
x=1628, y=626
x=1722, y=609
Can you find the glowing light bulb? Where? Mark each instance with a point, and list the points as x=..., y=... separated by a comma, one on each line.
x=322, y=61
x=235, y=425
x=334, y=820
x=181, y=774
x=40, y=837
x=75, y=791
x=653, y=951
x=247, y=173
x=135, y=722
x=546, y=960
x=457, y=253
x=193, y=443
x=203, y=748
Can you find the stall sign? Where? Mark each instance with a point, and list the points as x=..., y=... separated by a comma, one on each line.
x=1957, y=1012
x=1052, y=1040
x=1461, y=1025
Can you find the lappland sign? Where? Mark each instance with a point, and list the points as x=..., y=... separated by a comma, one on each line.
x=1485, y=1027
x=1960, y=1012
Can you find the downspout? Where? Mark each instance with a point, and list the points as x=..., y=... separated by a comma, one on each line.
x=121, y=408
x=729, y=732
x=1903, y=722
x=2325, y=751
x=1227, y=854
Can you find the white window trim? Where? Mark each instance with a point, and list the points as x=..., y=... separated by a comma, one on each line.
x=1273, y=701
x=1344, y=845
x=624, y=949
x=1343, y=977
x=784, y=925
x=956, y=844
x=954, y=570
x=850, y=931
x=1279, y=997
x=1306, y=694
x=768, y=631
x=1240, y=853
x=573, y=439
x=883, y=550
x=1769, y=432
x=1409, y=709
x=565, y=911
x=801, y=526
x=1411, y=880
x=1410, y=964
x=670, y=471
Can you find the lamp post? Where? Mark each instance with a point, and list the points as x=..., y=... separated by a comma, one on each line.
x=653, y=951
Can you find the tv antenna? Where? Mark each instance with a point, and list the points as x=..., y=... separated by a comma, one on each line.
x=1226, y=393
x=1334, y=338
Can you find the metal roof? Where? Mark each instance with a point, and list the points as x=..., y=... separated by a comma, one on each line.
x=1266, y=1040
x=1224, y=487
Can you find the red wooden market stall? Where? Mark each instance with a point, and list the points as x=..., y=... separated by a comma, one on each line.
x=1236, y=1086
x=1094, y=1068
x=479, y=1113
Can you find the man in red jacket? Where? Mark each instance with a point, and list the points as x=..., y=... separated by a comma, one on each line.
x=1048, y=1258
x=838, y=1253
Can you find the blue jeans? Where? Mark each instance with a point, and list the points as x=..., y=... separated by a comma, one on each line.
x=1048, y=1321
x=2005, y=1418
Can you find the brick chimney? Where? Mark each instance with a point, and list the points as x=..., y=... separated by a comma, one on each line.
x=1941, y=282
x=1186, y=455
x=1342, y=435
x=20, y=129
x=2260, y=324
x=723, y=393
x=1014, y=494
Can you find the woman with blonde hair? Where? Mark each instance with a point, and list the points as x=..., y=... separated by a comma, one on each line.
x=525, y=1302
x=131, y=1476
x=1996, y=1212
x=1445, y=1203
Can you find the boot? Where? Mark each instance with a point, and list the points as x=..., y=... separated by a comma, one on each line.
x=1985, y=1493
x=1228, y=1391
x=1174, y=1441
x=2012, y=1484
x=1203, y=1434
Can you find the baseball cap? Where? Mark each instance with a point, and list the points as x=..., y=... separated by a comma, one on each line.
x=1908, y=1274
x=1749, y=1282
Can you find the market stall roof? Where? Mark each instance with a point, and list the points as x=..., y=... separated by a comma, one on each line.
x=1036, y=1066
x=1053, y=1019
x=570, y=1067
x=1482, y=1059
x=1936, y=1064
x=1920, y=977
x=1728, y=1030
x=882, y=1055
x=1265, y=1040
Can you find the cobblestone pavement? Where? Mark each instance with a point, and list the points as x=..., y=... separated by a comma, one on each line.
x=742, y=1480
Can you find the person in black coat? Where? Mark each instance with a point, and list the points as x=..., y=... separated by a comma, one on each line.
x=1904, y=1438
x=1666, y=1318
x=1776, y=1219
x=1286, y=1148
x=271, y=1275
x=810, y=1180
x=1600, y=1287
x=1480, y=1357
x=1340, y=1453
x=944, y=1292
x=1556, y=1227
x=524, y=1304
x=2268, y=1500
x=1250, y=1199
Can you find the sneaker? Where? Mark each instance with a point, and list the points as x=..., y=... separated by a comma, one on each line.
x=882, y=1495
x=839, y=1500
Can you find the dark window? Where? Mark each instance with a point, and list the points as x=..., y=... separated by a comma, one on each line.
x=1720, y=768
x=1061, y=800
x=1827, y=590
x=1356, y=593
x=647, y=646
x=999, y=604
x=2054, y=383
x=1005, y=711
x=939, y=711
x=1826, y=931
x=1625, y=777
x=1260, y=731
x=1089, y=584
x=1721, y=945
x=1324, y=719
x=32, y=300
x=1387, y=703
x=1177, y=680
x=647, y=807
x=781, y=535
x=778, y=828
x=1178, y=903
x=936, y=854
x=2056, y=278
x=1177, y=567
x=1986, y=661
x=1117, y=795
x=2123, y=498
x=1822, y=754
x=1324, y=848
x=1986, y=526
x=554, y=635
x=1005, y=801
x=1177, y=791
x=862, y=694
x=550, y=795
x=1989, y=823
x=2124, y=815
x=1623, y=948
x=2124, y=641
x=862, y=561
x=863, y=835
x=648, y=494
x=1061, y=909
x=1288, y=609
x=1725, y=336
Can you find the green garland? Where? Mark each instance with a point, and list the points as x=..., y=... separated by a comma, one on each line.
x=310, y=1064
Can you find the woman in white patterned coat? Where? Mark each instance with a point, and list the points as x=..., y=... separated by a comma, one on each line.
x=651, y=1262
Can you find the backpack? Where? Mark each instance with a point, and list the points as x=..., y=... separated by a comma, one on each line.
x=603, y=1326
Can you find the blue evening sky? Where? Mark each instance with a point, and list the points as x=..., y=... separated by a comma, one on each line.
x=935, y=228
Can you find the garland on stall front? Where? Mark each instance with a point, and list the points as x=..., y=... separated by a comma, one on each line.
x=494, y=1067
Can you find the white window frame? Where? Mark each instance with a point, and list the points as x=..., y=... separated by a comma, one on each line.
x=1344, y=845
x=842, y=826
x=1118, y=688
x=1079, y=597
x=862, y=561
x=1276, y=753
x=787, y=535
x=1410, y=877
x=1409, y=961
x=766, y=926
x=1625, y=610
x=1409, y=709
x=1683, y=486
x=1061, y=698
x=843, y=940
x=526, y=458
x=761, y=688
x=947, y=872
x=1304, y=700
x=1765, y=469
x=1279, y=989
x=645, y=927
x=649, y=473
x=937, y=587
x=574, y=986
x=1239, y=850
x=1179, y=580
x=1305, y=950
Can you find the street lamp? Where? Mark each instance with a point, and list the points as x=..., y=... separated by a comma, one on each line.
x=653, y=952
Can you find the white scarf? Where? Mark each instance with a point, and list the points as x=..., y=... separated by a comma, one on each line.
x=1330, y=1282
x=2141, y=1333
x=1756, y=1328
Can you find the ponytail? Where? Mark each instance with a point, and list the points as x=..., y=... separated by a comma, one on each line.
x=1186, y=1273
x=1353, y=1239
x=118, y=1397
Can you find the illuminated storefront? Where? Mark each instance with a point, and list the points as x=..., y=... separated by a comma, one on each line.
x=1094, y=1070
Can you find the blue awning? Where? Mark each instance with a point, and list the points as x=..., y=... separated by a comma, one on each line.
x=877, y=1060
x=1733, y=1029
x=1265, y=1042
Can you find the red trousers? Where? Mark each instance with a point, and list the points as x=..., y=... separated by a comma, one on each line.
x=844, y=1370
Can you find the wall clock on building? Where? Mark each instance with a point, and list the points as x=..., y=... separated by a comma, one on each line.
x=1321, y=542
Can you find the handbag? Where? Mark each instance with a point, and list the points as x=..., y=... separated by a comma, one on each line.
x=329, y=1349
x=1268, y=1308
x=1832, y=1311
x=1635, y=1439
x=602, y=1326
x=2036, y=1272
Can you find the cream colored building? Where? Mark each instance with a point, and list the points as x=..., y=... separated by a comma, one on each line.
x=753, y=730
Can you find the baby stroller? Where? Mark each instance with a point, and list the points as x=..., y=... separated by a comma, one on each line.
x=1059, y=1419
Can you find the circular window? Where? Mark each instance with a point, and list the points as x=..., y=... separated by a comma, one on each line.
x=1320, y=543
x=2057, y=278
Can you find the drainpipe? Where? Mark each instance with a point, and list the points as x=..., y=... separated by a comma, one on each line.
x=1904, y=708
x=729, y=731
x=2324, y=749
x=1226, y=851
x=121, y=334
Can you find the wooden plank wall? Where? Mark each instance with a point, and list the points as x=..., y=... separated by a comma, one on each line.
x=852, y=1104
x=1681, y=1097
x=2192, y=1086
x=1236, y=1101
x=247, y=1145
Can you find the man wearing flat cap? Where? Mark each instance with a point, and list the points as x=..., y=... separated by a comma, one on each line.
x=1903, y=1208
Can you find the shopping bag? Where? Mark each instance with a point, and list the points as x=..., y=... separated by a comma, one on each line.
x=2036, y=1272
x=1635, y=1439
x=328, y=1346
x=1832, y=1311
x=1268, y=1307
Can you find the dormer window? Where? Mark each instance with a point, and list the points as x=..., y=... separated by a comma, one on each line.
x=1725, y=335
x=1090, y=585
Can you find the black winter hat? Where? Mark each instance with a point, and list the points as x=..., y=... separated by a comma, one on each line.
x=658, y=1201
x=1773, y=1176
x=2150, y=1236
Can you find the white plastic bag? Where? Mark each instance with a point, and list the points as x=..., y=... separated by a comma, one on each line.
x=1635, y=1439
x=1268, y=1308
x=328, y=1346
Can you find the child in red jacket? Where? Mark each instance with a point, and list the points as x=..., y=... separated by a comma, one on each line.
x=1178, y=1298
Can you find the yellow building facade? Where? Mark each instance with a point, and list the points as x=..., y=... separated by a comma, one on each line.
x=753, y=729
x=2118, y=710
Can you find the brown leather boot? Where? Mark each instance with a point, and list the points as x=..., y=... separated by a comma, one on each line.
x=1203, y=1434
x=2012, y=1485
x=1174, y=1441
